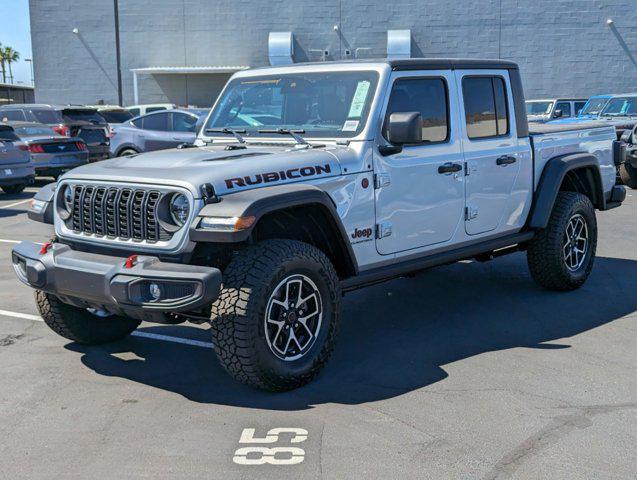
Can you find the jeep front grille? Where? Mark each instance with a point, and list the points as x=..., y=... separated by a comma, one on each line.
x=117, y=212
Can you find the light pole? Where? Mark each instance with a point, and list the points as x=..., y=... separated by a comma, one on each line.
x=30, y=60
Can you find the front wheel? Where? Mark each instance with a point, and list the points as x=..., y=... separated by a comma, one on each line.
x=561, y=256
x=79, y=325
x=628, y=174
x=275, y=322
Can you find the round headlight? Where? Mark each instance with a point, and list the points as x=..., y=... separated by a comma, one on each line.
x=68, y=198
x=179, y=208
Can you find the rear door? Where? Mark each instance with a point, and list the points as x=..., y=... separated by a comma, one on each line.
x=184, y=127
x=156, y=133
x=10, y=152
x=420, y=190
x=491, y=149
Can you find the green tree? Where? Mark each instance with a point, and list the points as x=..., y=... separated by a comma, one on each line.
x=4, y=75
x=10, y=56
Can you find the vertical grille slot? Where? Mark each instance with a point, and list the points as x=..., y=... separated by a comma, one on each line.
x=117, y=213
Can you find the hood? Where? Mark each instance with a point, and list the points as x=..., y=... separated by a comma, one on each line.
x=228, y=171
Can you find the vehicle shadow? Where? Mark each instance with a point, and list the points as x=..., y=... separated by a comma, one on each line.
x=395, y=337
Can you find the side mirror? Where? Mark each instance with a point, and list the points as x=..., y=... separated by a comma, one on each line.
x=557, y=113
x=404, y=128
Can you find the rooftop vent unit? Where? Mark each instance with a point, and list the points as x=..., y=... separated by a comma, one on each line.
x=281, y=48
x=398, y=44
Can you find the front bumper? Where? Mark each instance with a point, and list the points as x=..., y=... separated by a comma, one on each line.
x=103, y=282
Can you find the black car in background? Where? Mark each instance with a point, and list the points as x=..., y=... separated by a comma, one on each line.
x=68, y=120
x=52, y=154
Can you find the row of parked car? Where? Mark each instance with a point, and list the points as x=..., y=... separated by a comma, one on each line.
x=47, y=140
x=619, y=110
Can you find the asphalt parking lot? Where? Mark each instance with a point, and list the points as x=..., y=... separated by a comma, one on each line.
x=468, y=371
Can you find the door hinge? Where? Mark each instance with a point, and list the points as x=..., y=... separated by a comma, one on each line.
x=381, y=180
x=383, y=229
x=470, y=212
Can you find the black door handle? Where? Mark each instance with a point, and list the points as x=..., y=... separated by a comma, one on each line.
x=505, y=160
x=449, y=168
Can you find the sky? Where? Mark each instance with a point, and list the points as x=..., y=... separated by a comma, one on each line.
x=16, y=33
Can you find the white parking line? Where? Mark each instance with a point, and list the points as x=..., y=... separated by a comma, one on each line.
x=152, y=336
x=16, y=203
x=9, y=241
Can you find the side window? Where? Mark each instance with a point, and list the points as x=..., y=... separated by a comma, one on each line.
x=183, y=122
x=157, y=121
x=578, y=107
x=427, y=96
x=138, y=122
x=12, y=115
x=565, y=107
x=134, y=111
x=486, y=107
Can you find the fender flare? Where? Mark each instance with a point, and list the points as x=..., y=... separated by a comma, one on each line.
x=259, y=202
x=551, y=180
x=45, y=194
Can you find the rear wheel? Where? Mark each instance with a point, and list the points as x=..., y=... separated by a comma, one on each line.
x=628, y=174
x=127, y=152
x=275, y=323
x=13, y=189
x=561, y=256
x=80, y=325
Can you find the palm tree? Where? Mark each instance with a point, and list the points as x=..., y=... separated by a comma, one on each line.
x=10, y=56
x=4, y=76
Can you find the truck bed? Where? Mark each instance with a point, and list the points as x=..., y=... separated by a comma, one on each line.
x=549, y=141
x=544, y=128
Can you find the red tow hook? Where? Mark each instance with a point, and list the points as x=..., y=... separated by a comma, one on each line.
x=45, y=248
x=130, y=261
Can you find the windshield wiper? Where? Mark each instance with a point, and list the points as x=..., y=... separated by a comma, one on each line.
x=229, y=131
x=286, y=131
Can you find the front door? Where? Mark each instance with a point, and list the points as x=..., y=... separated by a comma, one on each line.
x=490, y=148
x=420, y=190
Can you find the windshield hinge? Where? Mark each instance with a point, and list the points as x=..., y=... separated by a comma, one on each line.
x=381, y=180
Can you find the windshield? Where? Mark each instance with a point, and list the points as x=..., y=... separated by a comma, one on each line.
x=620, y=106
x=116, y=116
x=593, y=106
x=92, y=116
x=47, y=116
x=36, y=130
x=538, y=108
x=322, y=104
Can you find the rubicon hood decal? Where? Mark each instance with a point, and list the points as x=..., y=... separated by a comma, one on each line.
x=267, y=177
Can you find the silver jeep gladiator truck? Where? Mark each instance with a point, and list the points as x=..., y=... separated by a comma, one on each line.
x=308, y=181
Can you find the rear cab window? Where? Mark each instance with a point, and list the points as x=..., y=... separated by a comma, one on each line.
x=116, y=116
x=486, y=106
x=430, y=97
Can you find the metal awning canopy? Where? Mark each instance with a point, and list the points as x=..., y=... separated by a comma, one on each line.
x=182, y=71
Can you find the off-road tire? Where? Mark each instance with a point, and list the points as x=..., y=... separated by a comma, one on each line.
x=14, y=189
x=628, y=174
x=545, y=252
x=79, y=325
x=238, y=315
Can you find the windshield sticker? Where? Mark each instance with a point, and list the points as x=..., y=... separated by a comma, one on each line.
x=350, y=126
x=358, y=101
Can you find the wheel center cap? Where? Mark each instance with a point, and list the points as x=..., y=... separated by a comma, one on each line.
x=292, y=317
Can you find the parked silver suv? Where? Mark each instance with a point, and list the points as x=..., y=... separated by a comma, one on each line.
x=16, y=168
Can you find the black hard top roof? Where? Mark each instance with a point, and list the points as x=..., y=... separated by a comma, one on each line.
x=420, y=63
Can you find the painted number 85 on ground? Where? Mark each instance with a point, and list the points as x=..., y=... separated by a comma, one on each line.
x=256, y=454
